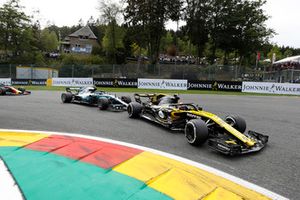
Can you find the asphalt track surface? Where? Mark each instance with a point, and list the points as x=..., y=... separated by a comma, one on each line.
x=275, y=168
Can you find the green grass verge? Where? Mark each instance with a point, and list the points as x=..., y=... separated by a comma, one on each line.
x=136, y=90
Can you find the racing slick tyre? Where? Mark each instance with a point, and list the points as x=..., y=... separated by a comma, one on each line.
x=236, y=122
x=126, y=99
x=103, y=103
x=2, y=91
x=196, y=132
x=134, y=109
x=66, y=97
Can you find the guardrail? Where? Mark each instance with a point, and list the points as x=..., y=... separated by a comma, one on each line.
x=165, y=84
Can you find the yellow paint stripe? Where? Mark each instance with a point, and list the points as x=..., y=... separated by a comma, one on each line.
x=18, y=139
x=221, y=193
x=182, y=181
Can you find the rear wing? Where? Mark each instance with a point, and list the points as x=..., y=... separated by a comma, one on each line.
x=153, y=97
x=73, y=89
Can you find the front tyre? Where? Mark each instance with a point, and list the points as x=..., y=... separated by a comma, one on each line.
x=196, y=132
x=134, y=109
x=66, y=97
x=236, y=122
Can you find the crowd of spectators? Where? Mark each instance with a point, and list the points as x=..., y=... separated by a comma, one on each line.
x=166, y=59
x=284, y=66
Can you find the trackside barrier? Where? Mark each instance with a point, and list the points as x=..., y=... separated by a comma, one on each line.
x=215, y=85
x=5, y=81
x=271, y=88
x=77, y=82
x=116, y=82
x=164, y=84
x=40, y=82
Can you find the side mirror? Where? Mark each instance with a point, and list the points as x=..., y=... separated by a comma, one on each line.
x=199, y=108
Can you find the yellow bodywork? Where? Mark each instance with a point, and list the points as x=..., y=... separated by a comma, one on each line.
x=199, y=113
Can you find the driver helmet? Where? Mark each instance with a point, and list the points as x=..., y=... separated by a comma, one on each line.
x=183, y=107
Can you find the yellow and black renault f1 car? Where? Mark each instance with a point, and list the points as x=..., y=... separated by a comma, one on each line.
x=226, y=136
x=10, y=90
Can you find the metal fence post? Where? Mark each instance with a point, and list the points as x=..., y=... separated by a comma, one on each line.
x=158, y=70
x=292, y=75
x=31, y=74
x=72, y=71
x=10, y=71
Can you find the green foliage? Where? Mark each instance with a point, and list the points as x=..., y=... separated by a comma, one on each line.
x=136, y=50
x=40, y=59
x=185, y=47
x=149, y=17
x=113, y=38
x=229, y=25
x=70, y=59
x=49, y=40
x=13, y=28
x=275, y=50
x=112, y=41
x=166, y=42
x=288, y=53
x=197, y=26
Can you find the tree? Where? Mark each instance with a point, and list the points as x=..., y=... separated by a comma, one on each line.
x=251, y=31
x=275, y=50
x=288, y=53
x=197, y=24
x=111, y=41
x=49, y=40
x=149, y=17
x=166, y=41
x=13, y=26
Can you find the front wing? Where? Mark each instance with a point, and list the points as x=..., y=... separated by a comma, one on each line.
x=221, y=144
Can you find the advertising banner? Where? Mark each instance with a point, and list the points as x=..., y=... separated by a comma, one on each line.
x=215, y=85
x=271, y=88
x=41, y=82
x=5, y=81
x=119, y=83
x=76, y=82
x=163, y=84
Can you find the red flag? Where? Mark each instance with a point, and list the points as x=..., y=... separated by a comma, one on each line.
x=258, y=55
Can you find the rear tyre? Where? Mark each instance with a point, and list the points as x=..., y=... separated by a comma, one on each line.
x=103, y=103
x=126, y=99
x=2, y=91
x=236, y=122
x=66, y=97
x=134, y=110
x=196, y=132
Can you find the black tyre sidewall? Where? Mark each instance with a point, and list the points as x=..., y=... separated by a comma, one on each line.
x=66, y=97
x=198, y=130
x=134, y=109
x=238, y=122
